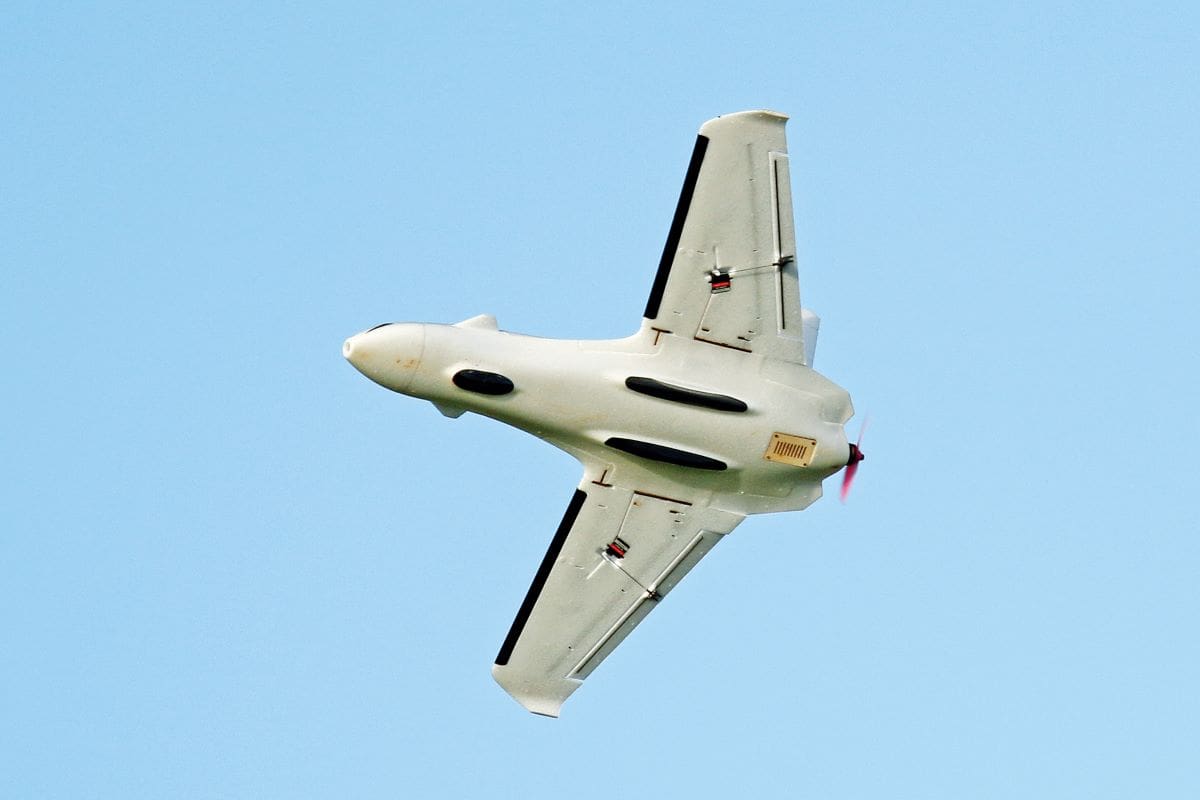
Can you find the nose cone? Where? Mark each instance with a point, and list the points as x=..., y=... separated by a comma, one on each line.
x=387, y=354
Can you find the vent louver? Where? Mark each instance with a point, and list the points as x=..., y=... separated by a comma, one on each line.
x=788, y=449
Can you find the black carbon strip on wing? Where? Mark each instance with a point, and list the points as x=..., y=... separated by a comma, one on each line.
x=681, y=394
x=539, y=579
x=673, y=236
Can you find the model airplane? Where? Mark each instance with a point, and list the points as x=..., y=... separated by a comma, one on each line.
x=710, y=412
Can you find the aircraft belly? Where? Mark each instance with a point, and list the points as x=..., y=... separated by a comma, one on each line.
x=577, y=396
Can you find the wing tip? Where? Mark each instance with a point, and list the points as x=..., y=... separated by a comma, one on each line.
x=545, y=700
x=761, y=115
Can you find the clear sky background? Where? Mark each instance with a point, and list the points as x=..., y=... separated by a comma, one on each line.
x=233, y=567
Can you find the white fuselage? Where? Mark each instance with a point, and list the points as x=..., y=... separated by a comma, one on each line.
x=574, y=394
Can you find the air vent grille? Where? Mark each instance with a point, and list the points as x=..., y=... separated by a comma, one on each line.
x=788, y=449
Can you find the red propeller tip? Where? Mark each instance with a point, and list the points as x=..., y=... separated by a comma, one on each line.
x=848, y=479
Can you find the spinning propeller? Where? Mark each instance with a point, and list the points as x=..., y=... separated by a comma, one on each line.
x=856, y=455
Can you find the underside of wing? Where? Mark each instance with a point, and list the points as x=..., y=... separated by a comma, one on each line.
x=615, y=555
x=728, y=270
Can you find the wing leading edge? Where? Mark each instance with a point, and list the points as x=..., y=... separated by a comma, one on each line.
x=615, y=555
x=728, y=275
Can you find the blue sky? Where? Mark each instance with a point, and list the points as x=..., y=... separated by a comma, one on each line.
x=235, y=568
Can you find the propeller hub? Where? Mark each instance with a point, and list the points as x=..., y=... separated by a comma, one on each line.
x=856, y=456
